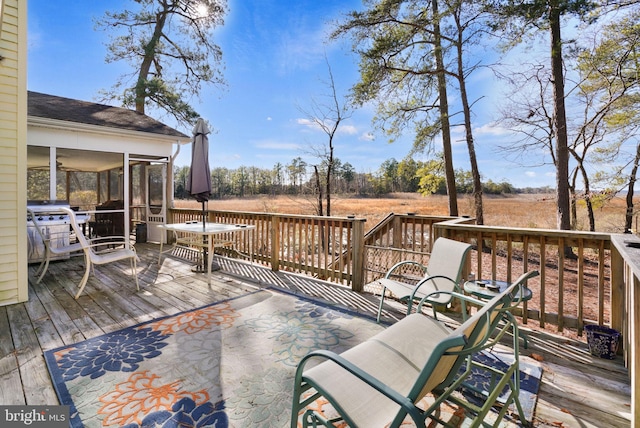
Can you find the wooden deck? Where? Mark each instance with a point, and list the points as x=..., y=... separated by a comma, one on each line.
x=577, y=390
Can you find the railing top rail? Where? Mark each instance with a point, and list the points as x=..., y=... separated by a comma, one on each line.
x=381, y=225
x=298, y=216
x=321, y=217
x=571, y=234
x=221, y=211
x=386, y=221
x=427, y=216
x=627, y=247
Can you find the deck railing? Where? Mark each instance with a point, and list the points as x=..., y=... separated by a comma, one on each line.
x=311, y=245
x=625, y=268
x=573, y=289
x=574, y=286
x=582, y=280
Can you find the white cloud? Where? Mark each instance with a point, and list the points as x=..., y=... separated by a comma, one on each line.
x=315, y=126
x=367, y=136
x=276, y=145
x=309, y=124
x=305, y=122
x=491, y=129
x=348, y=129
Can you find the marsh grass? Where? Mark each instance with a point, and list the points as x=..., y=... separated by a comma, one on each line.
x=528, y=211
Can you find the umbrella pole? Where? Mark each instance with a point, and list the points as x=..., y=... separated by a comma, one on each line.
x=205, y=261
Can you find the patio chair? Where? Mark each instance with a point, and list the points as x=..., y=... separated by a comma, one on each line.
x=442, y=273
x=379, y=382
x=50, y=250
x=494, y=389
x=103, y=250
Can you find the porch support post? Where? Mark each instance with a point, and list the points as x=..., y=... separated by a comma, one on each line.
x=619, y=292
x=275, y=243
x=357, y=283
x=398, y=241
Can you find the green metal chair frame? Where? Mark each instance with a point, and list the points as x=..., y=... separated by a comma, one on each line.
x=443, y=272
x=379, y=382
x=503, y=324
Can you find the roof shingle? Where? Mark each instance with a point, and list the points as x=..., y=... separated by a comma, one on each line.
x=67, y=109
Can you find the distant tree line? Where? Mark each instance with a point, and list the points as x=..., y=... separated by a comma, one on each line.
x=298, y=178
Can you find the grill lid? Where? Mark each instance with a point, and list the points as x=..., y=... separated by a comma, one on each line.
x=48, y=210
x=39, y=207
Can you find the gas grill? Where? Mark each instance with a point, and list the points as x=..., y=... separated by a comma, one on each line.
x=55, y=224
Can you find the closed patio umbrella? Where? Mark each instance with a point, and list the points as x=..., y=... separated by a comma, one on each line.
x=199, y=180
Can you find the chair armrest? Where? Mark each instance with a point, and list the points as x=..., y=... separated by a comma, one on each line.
x=516, y=302
x=431, y=278
x=107, y=239
x=110, y=240
x=454, y=294
x=485, y=342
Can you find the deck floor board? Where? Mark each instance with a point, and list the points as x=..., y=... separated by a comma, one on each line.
x=577, y=390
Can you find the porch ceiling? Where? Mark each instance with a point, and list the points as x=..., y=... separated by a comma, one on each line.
x=77, y=160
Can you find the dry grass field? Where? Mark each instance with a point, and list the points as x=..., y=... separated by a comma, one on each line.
x=534, y=211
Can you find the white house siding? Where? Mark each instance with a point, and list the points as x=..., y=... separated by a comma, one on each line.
x=70, y=135
x=13, y=152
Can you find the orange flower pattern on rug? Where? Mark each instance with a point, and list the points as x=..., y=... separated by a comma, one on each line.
x=141, y=395
x=229, y=364
x=61, y=353
x=221, y=315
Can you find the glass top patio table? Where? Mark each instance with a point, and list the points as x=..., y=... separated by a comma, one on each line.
x=489, y=288
x=208, y=230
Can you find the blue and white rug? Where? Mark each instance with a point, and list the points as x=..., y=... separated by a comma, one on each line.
x=229, y=364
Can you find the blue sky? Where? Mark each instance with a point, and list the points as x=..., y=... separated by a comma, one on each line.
x=274, y=55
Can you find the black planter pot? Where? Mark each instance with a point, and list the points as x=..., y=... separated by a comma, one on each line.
x=603, y=341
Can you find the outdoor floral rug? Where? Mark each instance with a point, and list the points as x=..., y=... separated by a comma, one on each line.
x=229, y=364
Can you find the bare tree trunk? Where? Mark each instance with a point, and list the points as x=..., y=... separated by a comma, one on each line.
x=574, y=200
x=475, y=172
x=587, y=198
x=319, y=189
x=328, y=118
x=560, y=119
x=628, y=220
x=589, y=206
x=149, y=56
x=444, y=114
x=329, y=175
